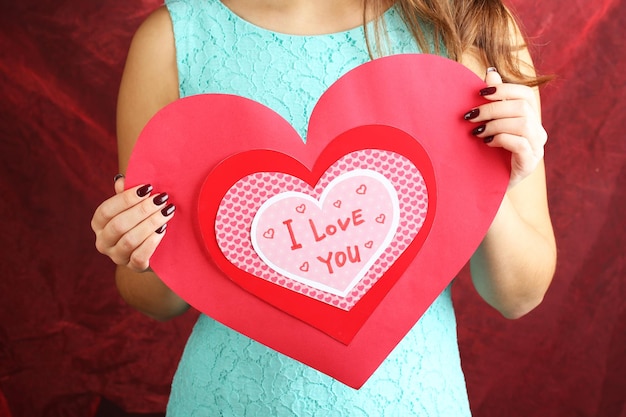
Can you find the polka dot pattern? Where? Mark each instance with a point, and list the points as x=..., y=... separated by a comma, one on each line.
x=242, y=201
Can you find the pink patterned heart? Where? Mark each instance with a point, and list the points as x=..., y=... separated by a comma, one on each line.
x=322, y=241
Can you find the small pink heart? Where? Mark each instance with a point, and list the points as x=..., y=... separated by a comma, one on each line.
x=327, y=241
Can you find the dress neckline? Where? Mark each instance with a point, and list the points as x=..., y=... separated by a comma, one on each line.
x=258, y=28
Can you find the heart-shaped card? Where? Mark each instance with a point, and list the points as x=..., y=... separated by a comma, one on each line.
x=337, y=245
x=324, y=245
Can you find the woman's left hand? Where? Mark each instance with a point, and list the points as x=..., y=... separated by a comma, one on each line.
x=511, y=121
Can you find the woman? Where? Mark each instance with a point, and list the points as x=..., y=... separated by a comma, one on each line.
x=202, y=46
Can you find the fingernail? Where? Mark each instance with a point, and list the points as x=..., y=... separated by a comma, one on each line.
x=472, y=114
x=161, y=229
x=117, y=177
x=488, y=139
x=160, y=199
x=144, y=191
x=168, y=210
x=487, y=91
x=480, y=129
x=492, y=69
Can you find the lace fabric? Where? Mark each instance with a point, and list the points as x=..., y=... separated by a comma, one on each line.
x=218, y=52
x=223, y=373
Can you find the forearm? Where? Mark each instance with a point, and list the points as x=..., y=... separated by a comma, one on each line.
x=147, y=293
x=149, y=83
x=514, y=264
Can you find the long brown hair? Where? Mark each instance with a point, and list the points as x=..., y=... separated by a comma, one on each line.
x=461, y=26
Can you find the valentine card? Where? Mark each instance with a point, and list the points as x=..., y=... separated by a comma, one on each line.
x=336, y=245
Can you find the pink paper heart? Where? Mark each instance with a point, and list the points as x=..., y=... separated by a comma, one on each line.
x=321, y=233
x=422, y=95
x=325, y=228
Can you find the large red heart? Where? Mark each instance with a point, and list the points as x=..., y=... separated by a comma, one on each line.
x=424, y=96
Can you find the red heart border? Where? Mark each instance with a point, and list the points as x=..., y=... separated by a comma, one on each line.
x=174, y=154
x=340, y=324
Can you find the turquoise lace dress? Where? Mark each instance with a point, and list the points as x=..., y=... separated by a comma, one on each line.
x=223, y=373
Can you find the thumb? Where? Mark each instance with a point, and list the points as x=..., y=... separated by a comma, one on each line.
x=492, y=77
x=119, y=183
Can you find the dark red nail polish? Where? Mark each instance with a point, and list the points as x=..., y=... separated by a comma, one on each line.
x=117, y=177
x=160, y=199
x=472, y=114
x=161, y=229
x=168, y=210
x=487, y=91
x=488, y=139
x=480, y=129
x=144, y=191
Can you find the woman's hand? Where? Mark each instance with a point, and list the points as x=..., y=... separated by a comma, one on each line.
x=511, y=121
x=130, y=225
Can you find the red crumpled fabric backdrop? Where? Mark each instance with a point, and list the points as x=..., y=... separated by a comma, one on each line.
x=69, y=345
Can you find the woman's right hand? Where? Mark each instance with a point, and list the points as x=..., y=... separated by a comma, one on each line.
x=130, y=225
